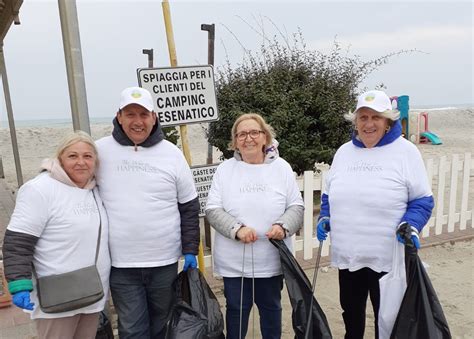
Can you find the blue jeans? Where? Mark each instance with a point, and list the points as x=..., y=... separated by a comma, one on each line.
x=143, y=298
x=267, y=298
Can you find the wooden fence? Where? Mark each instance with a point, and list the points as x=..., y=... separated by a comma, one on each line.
x=453, y=194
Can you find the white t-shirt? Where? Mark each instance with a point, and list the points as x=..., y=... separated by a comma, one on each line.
x=141, y=190
x=257, y=195
x=368, y=190
x=66, y=220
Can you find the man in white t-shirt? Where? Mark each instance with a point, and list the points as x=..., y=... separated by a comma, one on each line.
x=149, y=193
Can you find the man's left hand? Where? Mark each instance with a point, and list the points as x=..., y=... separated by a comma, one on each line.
x=189, y=262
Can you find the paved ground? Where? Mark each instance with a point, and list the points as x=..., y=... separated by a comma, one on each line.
x=15, y=324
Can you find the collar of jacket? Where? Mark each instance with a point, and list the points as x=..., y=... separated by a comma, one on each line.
x=393, y=134
x=155, y=136
x=58, y=173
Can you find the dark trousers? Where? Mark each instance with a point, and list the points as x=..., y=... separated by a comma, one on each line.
x=267, y=298
x=354, y=288
x=143, y=298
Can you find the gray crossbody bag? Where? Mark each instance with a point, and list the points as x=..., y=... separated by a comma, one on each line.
x=71, y=290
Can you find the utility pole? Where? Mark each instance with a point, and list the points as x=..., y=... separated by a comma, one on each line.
x=74, y=66
x=210, y=60
x=149, y=52
x=11, y=121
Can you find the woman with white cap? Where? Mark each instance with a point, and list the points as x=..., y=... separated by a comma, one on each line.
x=376, y=183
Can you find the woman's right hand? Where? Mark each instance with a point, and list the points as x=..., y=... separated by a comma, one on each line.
x=247, y=234
x=22, y=300
x=324, y=226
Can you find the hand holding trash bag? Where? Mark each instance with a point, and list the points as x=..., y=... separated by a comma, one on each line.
x=420, y=314
x=189, y=262
x=414, y=235
x=323, y=228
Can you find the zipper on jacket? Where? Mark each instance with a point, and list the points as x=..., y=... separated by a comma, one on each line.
x=136, y=148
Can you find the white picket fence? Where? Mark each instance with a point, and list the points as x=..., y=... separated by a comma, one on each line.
x=454, y=198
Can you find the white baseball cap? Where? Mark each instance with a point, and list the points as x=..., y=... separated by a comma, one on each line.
x=136, y=95
x=377, y=100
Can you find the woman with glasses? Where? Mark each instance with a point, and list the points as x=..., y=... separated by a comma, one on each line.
x=254, y=197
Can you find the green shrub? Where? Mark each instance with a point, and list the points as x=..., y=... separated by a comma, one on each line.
x=303, y=94
x=171, y=134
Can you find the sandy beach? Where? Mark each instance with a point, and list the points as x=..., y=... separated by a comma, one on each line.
x=453, y=126
x=450, y=265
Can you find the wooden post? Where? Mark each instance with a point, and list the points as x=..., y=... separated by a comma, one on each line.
x=183, y=129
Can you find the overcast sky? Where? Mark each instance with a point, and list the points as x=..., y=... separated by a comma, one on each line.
x=113, y=34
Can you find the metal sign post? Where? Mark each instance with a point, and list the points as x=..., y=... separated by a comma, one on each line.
x=211, y=29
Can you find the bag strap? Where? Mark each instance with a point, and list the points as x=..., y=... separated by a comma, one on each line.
x=98, y=237
x=100, y=228
x=397, y=254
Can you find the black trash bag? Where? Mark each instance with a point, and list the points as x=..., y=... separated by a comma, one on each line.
x=104, y=330
x=300, y=293
x=420, y=314
x=196, y=313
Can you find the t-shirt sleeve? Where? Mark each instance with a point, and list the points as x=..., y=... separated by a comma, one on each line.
x=31, y=211
x=415, y=174
x=293, y=196
x=330, y=174
x=185, y=182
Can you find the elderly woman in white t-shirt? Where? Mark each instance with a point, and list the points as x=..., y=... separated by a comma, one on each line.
x=377, y=183
x=254, y=197
x=55, y=227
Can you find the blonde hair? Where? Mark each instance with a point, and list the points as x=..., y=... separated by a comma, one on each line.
x=269, y=132
x=74, y=138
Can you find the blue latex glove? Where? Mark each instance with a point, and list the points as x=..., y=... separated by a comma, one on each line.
x=189, y=262
x=22, y=300
x=323, y=228
x=414, y=235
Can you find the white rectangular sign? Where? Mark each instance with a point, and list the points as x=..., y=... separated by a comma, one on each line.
x=203, y=179
x=181, y=95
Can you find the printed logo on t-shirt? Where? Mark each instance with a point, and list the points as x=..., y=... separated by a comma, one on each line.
x=254, y=188
x=136, y=166
x=362, y=166
x=85, y=208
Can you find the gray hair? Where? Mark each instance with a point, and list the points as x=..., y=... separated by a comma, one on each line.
x=390, y=114
x=74, y=138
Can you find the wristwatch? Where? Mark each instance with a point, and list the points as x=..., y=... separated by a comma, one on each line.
x=236, y=229
x=282, y=225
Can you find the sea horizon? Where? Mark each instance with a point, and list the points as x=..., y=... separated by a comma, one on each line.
x=61, y=122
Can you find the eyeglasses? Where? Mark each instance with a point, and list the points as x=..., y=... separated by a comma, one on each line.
x=253, y=134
